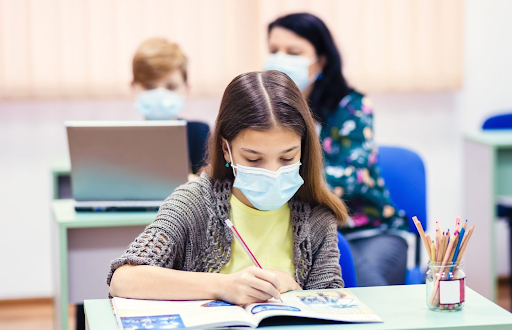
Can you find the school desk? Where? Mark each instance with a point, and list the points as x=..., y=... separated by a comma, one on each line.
x=400, y=307
x=84, y=245
x=487, y=177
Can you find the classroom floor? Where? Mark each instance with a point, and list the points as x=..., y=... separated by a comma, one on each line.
x=38, y=314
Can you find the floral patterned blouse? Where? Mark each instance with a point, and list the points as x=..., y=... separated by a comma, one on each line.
x=352, y=171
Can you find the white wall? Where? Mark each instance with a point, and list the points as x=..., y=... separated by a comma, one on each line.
x=433, y=123
x=488, y=83
x=31, y=133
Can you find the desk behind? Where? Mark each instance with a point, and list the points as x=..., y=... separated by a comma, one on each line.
x=400, y=307
x=487, y=177
x=84, y=245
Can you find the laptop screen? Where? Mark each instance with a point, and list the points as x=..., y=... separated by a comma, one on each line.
x=127, y=161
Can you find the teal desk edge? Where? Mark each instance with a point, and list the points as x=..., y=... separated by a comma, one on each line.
x=101, y=315
x=497, y=138
x=401, y=307
x=60, y=165
x=66, y=217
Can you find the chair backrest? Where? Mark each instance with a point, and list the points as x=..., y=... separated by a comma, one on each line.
x=348, y=271
x=502, y=121
x=197, y=135
x=404, y=174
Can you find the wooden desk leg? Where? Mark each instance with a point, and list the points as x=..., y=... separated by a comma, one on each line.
x=479, y=208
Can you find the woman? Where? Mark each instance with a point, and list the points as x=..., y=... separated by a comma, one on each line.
x=264, y=173
x=301, y=46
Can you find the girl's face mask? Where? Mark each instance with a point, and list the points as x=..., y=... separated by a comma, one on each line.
x=267, y=190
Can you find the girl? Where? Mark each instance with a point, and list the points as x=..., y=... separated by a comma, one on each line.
x=302, y=47
x=264, y=173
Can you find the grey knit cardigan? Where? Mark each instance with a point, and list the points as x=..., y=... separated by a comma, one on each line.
x=189, y=234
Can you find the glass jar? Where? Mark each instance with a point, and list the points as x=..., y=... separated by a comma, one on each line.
x=446, y=286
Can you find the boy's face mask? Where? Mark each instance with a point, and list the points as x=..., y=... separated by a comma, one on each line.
x=159, y=104
x=267, y=190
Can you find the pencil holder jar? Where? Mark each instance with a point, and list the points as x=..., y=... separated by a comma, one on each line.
x=446, y=286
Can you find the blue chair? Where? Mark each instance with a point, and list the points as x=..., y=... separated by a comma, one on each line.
x=404, y=174
x=348, y=270
x=197, y=137
x=503, y=121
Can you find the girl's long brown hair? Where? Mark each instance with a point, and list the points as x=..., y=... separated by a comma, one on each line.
x=260, y=101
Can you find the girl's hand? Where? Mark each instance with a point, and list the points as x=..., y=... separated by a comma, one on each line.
x=249, y=286
x=287, y=282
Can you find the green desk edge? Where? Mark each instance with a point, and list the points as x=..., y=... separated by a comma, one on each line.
x=400, y=307
x=497, y=138
x=66, y=217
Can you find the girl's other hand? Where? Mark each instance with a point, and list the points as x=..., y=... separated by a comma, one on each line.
x=287, y=281
x=249, y=286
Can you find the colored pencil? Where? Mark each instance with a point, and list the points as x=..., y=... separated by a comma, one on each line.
x=453, y=258
x=242, y=242
x=445, y=260
x=437, y=245
x=417, y=223
x=456, y=243
x=465, y=243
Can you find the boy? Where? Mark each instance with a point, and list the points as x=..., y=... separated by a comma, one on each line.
x=160, y=87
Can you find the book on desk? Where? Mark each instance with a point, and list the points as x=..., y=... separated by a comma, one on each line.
x=330, y=304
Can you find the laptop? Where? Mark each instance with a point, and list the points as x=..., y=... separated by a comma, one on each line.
x=126, y=165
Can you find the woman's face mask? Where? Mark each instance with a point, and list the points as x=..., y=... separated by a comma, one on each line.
x=293, y=55
x=295, y=66
x=266, y=190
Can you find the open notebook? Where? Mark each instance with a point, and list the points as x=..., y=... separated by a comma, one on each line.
x=331, y=304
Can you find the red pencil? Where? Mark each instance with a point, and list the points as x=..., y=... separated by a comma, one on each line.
x=241, y=240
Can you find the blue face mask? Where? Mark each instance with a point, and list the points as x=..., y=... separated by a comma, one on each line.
x=267, y=190
x=159, y=104
x=296, y=67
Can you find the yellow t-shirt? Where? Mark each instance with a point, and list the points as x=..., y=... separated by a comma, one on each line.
x=268, y=234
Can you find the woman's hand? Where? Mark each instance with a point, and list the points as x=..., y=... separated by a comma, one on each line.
x=287, y=282
x=388, y=211
x=249, y=286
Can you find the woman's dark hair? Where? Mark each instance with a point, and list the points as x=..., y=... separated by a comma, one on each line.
x=261, y=101
x=331, y=87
